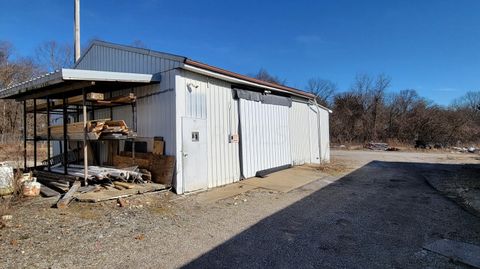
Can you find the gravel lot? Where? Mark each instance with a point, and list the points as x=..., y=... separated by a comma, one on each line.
x=378, y=216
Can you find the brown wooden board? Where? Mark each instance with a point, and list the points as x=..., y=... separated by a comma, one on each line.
x=161, y=167
x=112, y=193
x=65, y=200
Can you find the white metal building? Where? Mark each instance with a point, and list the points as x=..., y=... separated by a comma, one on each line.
x=221, y=126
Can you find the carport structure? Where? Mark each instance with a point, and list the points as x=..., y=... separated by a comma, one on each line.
x=217, y=126
x=65, y=92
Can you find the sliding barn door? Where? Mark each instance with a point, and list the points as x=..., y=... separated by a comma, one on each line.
x=264, y=137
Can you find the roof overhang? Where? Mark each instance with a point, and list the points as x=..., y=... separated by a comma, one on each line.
x=223, y=74
x=215, y=72
x=67, y=82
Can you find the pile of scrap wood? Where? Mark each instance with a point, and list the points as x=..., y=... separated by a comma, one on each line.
x=112, y=186
x=104, y=128
x=162, y=167
x=108, y=174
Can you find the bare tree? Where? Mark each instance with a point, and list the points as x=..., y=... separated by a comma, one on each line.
x=137, y=43
x=52, y=55
x=324, y=90
x=264, y=75
x=12, y=70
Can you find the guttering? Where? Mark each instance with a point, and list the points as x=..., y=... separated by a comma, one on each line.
x=222, y=74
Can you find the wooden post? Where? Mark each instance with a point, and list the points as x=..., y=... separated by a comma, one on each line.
x=85, y=150
x=34, y=132
x=25, y=135
x=65, y=145
x=48, y=133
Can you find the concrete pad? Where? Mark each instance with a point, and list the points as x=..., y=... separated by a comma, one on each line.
x=286, y=180
x=223, y=193
x=459, y=251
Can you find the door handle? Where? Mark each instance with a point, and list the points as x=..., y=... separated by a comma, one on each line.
x=185, y=154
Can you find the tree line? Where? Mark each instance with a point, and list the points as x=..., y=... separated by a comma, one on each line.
x=369, y=112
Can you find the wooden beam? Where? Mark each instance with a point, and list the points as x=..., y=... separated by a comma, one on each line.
x=85, y=131
x=50, y=92
x=76, y=100
x=47, y=192
x=67, y=198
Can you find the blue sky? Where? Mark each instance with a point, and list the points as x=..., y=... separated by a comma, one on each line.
x=430, y=46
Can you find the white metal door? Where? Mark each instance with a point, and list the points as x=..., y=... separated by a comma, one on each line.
x=264, y=137
x=194, y=154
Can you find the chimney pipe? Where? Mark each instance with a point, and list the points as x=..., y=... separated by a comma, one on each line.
x=77, y=30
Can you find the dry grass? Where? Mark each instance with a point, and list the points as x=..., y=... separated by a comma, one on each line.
x=7, y=202
x=334, y=168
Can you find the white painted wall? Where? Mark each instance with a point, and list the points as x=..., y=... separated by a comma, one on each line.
x=299, y=126
x=202, y=97
x=155, y=113
x=324, y=136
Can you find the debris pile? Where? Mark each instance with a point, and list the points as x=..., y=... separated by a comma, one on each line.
x=465, y=149
x=376, y=146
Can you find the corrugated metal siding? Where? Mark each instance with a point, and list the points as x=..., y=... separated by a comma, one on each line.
x=104, y=58
x=264, y=135
x=211, y=99
x=314, y=149
x=155, y=111
x=155, y=103
x=300, y=133
x=324, y=136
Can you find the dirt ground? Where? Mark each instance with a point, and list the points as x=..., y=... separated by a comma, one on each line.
x=367, y=210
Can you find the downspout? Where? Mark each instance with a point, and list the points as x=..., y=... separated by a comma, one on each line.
x=318, y=129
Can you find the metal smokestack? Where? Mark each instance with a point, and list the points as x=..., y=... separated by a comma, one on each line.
x=77, y=30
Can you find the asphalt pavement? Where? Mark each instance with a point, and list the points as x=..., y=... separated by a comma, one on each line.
x=379, y=216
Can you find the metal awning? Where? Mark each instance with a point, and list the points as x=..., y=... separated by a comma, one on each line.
x=70, y=82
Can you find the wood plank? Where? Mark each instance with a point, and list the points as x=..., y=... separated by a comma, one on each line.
x=124, y=184
x=47, y=192
x=111, y=193
x=75, y=100
x=161, y=167
x=67, y=198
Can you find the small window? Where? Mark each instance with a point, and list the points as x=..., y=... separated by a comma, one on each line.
x=195, y=136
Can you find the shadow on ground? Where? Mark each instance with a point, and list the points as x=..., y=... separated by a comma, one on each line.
x=378, y=216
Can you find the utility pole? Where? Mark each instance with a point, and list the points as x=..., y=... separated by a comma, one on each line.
x=77, y=29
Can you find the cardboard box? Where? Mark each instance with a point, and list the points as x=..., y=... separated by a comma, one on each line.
x=158, y=146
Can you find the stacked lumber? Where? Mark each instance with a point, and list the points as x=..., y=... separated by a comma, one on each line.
x=95, y=129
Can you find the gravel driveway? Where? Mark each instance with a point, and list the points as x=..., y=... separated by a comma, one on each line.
x=378, y=216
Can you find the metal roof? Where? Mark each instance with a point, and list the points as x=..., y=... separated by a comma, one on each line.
x=90, y=75
x=65, y=80
x=197, y=64
x=258, y=82
x=143, y=51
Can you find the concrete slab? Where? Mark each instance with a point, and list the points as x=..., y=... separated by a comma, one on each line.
x=459, y=251
x=223, y=192
x=286, y=180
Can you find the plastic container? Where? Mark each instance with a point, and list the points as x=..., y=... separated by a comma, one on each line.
x=31, y=189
